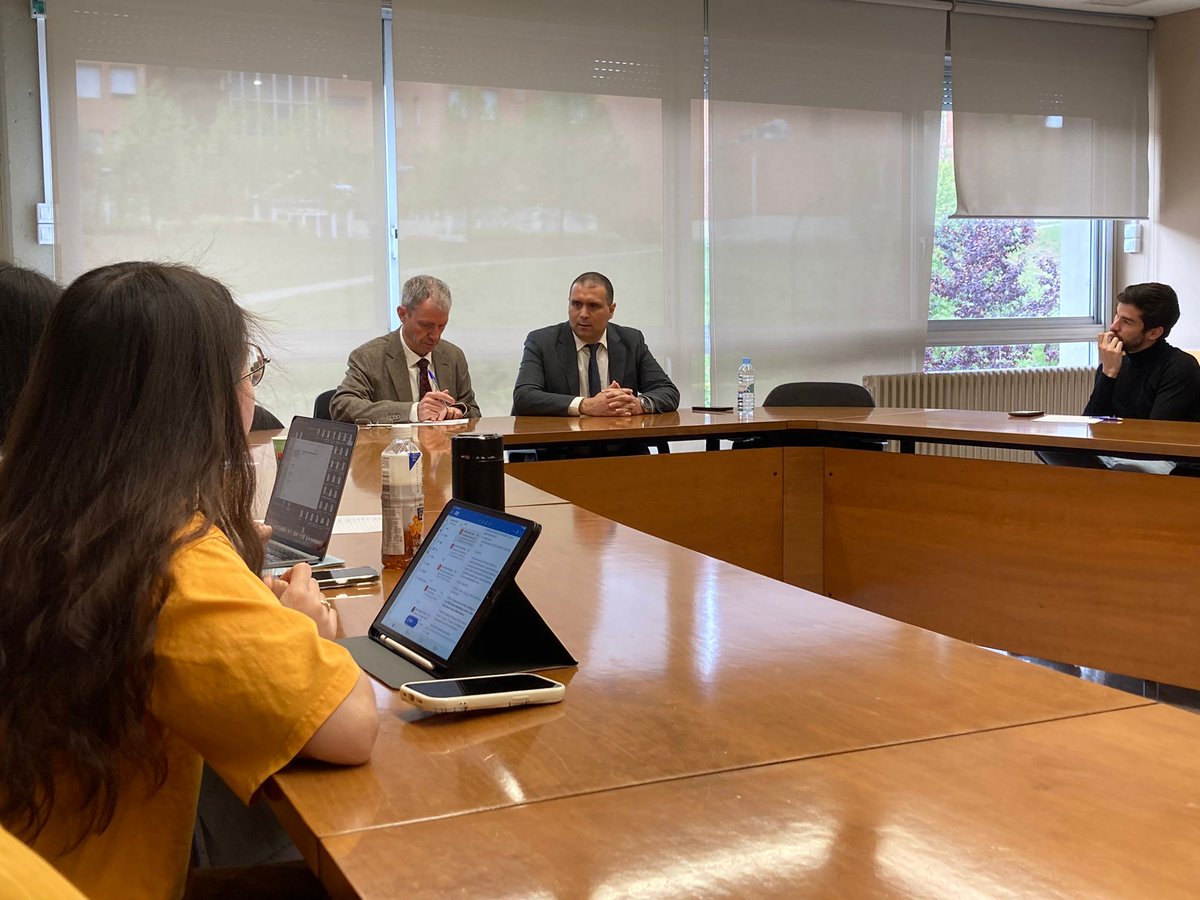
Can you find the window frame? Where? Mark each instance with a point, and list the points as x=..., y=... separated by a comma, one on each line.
x=1041, y=329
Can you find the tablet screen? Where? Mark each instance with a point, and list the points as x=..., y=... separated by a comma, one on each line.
x=463, y=557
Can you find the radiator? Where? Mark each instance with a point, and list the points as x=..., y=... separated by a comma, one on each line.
x=1064, y=391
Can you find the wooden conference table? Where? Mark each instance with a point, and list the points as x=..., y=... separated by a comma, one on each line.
x=1092, y=567
x=729, y=733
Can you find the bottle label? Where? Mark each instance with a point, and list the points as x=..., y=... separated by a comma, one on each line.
x=403, y=505
x=415, y=530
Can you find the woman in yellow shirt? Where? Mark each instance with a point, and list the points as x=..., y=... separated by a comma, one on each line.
x=136, y=639
x=26, y=876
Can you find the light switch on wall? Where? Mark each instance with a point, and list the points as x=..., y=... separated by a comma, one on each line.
x=1133, y=237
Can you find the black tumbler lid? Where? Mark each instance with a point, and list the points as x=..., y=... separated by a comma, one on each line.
x=477, y=446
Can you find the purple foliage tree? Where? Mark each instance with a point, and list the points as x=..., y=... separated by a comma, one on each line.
x=986, y=269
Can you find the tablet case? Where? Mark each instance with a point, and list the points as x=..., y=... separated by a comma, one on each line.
x=512, y=638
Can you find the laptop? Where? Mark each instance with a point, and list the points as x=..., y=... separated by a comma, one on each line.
x=308, y=491
x=467, y=559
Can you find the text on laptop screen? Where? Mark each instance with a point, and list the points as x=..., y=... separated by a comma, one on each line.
x=441, y=595
x=307, y=487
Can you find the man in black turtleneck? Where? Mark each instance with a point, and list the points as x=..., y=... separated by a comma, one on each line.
x=1140, y=376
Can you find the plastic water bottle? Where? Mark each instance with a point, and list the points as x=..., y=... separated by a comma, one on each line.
x=745, y=390
x=403, y=499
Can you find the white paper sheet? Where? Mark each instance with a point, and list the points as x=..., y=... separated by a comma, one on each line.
x=357, y=524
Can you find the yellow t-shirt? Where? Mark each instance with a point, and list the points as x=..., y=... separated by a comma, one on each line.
x=241, y=682
x=26, y=876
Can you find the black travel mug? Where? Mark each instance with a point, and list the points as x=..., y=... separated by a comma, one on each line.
x=477, y=469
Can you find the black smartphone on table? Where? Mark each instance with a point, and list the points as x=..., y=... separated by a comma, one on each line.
x=339, y=578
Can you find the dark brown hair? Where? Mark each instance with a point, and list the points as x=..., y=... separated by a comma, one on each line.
x=1157, y=302
x=128, y=430
x=26, y=298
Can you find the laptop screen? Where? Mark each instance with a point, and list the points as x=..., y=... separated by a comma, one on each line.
x=467, y=554
x=309, y=483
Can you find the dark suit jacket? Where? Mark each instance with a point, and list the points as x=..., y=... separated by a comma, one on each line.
x=376, y=385
x=549, y=377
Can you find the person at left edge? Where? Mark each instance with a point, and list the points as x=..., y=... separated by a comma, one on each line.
x=26, y=298
x=137, y=640
x=410, y=375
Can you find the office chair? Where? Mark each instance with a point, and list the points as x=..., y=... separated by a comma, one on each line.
x=264, y=420
x=321, y=405
x=819, y=393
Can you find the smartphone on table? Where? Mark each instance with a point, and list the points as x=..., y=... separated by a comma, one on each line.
x=340, y=578
x=482, y=692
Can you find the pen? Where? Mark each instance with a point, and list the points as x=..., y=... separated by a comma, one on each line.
x=1107, y=419
x=433, y=386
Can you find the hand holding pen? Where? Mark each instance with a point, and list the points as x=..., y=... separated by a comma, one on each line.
x=435, y=405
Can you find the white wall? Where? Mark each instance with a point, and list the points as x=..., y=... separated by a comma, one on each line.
x=20, y=140
x=1172, y=253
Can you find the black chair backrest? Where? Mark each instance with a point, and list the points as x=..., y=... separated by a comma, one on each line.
x=321, y=405
x=264, y=420
x=819, y=393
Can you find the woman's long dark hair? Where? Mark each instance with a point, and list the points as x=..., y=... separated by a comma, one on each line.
x=26, y=298
x=129, y=426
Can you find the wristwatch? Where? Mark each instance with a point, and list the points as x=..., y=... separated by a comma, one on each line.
x=647, y=404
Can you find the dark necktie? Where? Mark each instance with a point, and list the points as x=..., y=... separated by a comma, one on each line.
x=423, y=385
x=593, y=370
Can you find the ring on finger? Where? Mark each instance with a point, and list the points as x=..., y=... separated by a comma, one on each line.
x=327, y=603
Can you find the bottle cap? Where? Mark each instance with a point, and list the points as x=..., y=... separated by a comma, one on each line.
x=745, y=360
x=401, y=430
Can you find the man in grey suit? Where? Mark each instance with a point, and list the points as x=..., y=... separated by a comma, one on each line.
x=588, y=366
x=410, y=375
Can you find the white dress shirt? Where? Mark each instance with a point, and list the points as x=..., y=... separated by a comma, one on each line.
x=582, y=357
x=414, y=378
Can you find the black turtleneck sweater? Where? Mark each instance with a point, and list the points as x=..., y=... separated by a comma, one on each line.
x=1160, y=382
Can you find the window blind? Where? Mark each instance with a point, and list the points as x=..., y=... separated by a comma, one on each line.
x=239, y=138
x=539, y=139
x=1051, y=119
x=825, y=121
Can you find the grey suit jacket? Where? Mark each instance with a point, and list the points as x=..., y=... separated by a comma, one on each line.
x=376, y=386
x=548, y=381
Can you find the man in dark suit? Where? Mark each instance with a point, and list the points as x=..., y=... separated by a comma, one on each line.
x=587, y=366
x=410, y=375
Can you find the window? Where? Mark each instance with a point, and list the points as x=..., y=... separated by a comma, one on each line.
x=87, y=81
x=548, y=148
x=122, y=81
x=1010, y=293
x=240, y=142
x=522, y=151
x=489, y=105
x=457, y=105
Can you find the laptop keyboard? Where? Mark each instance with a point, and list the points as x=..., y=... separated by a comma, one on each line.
x=276, y=555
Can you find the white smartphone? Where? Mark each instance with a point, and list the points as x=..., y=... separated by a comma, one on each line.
x=482, y=692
